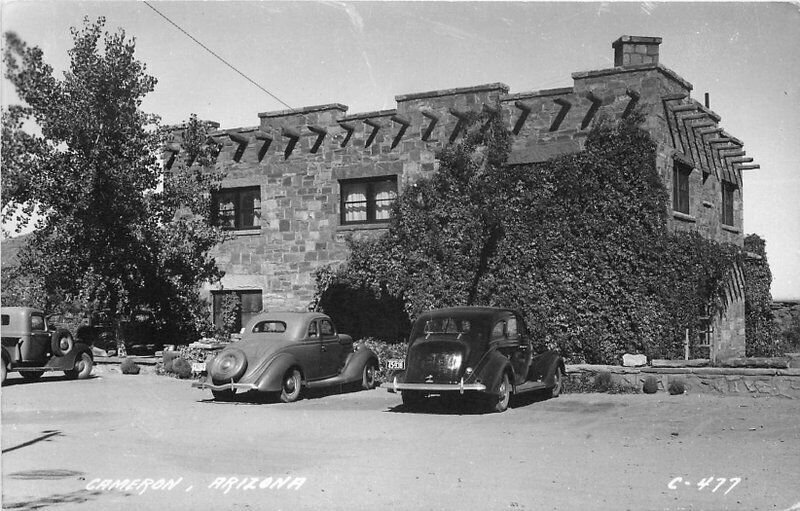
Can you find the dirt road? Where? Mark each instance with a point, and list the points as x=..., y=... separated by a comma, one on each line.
x=148, y=442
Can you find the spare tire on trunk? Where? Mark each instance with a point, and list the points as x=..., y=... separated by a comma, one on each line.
x=228, y=365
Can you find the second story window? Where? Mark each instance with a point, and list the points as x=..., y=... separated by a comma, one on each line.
x=727, y=203
x=237, y=208
x=367, y=200
x=680, y=187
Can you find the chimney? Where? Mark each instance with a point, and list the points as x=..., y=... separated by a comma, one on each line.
x=631, y=50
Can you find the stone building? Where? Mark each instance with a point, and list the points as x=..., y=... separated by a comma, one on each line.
x=302, y=180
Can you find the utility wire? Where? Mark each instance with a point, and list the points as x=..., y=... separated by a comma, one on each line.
x=209, y=50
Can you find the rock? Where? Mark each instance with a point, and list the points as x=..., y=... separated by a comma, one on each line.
x=629, y=360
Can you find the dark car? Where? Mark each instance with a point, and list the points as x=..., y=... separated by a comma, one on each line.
x=285, y=352
x=32, y=347
x=473, y=350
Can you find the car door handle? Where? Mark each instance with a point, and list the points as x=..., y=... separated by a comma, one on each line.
x=324, y=348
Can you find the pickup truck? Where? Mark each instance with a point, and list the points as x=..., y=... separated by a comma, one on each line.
x=32, y=347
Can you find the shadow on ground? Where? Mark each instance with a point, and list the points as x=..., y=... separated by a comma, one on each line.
x=76, y=497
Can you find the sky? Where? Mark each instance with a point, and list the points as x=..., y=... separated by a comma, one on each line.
x=363, y=54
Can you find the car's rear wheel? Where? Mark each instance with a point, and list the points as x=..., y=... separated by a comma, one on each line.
x=3, y=372
x=503, y=397
x=223, y=395
x=292, y=386
x=83, y=368
x=31, y=375
x=412, y=397
x=368, y=375
x=62, y=343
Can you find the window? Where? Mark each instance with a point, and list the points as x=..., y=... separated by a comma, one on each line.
x=270, y=327
x=326, y=327
x=312, y=329
x=247, y=305
x=237, y=208
x=368, y=200
x=727, y=203
x=37, y=322
x=680, y=187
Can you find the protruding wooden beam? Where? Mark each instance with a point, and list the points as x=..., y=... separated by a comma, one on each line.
x=565, y=106
x=404, y=124
x=429, y=130
x=525, y=110
x=632, y=102
x=462, y=119
x=293, y=135
x=267, y=141
x=349, y=128
x=596, y=104
x=320, y=132
x=376, y=126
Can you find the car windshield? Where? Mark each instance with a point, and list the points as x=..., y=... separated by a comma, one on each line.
x=469, y=328
x=270, y=327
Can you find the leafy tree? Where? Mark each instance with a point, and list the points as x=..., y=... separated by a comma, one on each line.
x=113, y=231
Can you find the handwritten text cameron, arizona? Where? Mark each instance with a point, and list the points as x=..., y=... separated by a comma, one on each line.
x=222, y=484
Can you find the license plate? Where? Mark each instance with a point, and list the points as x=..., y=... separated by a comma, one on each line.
x=198, y=367
x=396, y=363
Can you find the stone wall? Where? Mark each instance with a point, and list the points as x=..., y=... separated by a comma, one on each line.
x=298, y=157
x=714, y=380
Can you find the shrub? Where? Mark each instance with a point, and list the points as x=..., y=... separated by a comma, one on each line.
x=603, y=382
x=181, y=368
x=128, y=366
x=650, y=385
x=676, y=387
x=168, y=358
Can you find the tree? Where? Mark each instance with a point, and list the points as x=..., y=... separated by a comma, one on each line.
x=114, y=231
x=759, y=322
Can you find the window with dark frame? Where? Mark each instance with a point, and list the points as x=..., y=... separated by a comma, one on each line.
x=727, y=203
x=367, y=200
x=237, y=208
x=680, y=187
x=249, y=305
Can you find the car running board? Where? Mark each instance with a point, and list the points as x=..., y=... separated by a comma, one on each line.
x=529, y=386
x=333, y=380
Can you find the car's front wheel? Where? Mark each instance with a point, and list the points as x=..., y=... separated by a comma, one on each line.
x=503, y=396
x=368, y=375
x=3, y=373
x=292, y=386
x=83, y=368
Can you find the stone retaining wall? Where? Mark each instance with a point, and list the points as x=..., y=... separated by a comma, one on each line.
x=714, y=380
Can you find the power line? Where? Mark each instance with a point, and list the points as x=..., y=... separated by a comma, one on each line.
x=209, y=50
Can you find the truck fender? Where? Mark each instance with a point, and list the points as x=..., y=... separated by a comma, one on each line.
x=271, y=379
x=491, y=372
x=557, y=364
x=354, y=365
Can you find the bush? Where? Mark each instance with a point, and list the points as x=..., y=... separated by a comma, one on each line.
x=676, y=387
x=603, y=382
x=128, y=366
x=650, y=385
x=168, y=359
x=181, y=368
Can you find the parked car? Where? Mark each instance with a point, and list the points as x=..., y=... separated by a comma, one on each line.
x=286, y=352
x=110, y=332
x=32, y=347
x=473, y=350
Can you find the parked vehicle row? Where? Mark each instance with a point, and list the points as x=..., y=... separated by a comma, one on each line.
x=482, y=352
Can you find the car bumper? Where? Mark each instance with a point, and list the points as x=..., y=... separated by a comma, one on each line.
x=460, y=387
x=225, y=386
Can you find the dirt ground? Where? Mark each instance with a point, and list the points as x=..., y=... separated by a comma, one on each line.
x=147, y=442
